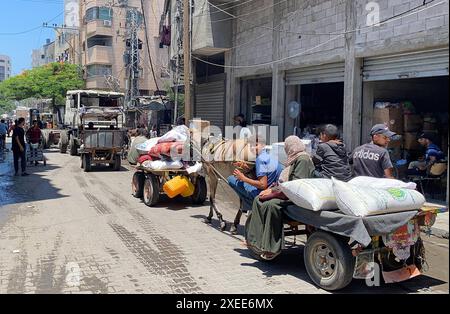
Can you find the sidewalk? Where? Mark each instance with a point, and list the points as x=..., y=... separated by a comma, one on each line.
x=440, y=227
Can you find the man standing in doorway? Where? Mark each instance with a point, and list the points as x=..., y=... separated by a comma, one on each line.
x=19, y=148
x=372, y=159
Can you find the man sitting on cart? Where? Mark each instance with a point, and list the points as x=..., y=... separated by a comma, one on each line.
x=267, y=172
x=372, y=159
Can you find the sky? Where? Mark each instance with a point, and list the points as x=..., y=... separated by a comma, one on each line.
x=24, y=15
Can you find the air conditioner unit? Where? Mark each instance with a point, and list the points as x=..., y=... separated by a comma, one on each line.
x=107, y=23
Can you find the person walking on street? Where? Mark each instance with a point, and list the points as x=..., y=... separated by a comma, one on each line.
x=3, y=131
x=19, y=148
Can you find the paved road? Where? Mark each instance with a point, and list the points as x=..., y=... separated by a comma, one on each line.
x=65, y=231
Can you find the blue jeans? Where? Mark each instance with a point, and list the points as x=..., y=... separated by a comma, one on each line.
x=247, y=193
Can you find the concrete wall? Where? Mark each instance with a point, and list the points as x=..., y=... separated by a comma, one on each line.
x=322, y=24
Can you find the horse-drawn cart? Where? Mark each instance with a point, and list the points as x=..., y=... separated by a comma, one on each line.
x=148, y=184
x=341, y=247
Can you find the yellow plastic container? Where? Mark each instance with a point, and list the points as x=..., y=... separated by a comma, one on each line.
x=190, y=190
x=176, y=186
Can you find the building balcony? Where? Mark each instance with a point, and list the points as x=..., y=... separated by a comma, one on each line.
x=99, y=27
x=96, y=82
x=100, y=55
x=211, y=30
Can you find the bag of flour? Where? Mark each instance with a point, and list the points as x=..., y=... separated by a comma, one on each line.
x=364, y=201
x=312, y=194
x=382, y=183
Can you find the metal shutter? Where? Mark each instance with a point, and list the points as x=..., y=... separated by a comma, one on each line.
x=324, y=73
x=408, y=65
x=210, y=102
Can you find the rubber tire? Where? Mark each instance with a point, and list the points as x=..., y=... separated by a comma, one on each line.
x=87, y=162
x=63, y=143
x=117, y=163
x=137, y=184
x=151, y=191
x=73, y=147
x=345, y=262
x=200, y=192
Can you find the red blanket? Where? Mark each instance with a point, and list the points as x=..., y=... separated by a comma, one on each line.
x=166, y=149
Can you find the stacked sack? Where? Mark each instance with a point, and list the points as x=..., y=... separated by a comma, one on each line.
x=361, y=196
x=157, y=153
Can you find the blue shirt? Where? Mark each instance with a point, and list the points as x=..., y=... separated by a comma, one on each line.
x=266, y=166
x=433, y=150
x=3, y=128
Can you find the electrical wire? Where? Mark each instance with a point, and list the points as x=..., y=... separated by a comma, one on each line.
x=389, y=20
x=32, y=29
x=148, y=48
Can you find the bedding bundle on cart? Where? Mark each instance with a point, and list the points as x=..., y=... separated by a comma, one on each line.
x=166, y=152
x=360, y=197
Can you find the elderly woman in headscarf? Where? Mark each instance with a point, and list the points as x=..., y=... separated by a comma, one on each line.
x=264, y=226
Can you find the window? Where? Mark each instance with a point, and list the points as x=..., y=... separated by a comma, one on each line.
x=98, y=70
x=98, y=13
x=99, y=40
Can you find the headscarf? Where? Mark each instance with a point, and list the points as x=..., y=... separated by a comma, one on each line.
x=294, y=148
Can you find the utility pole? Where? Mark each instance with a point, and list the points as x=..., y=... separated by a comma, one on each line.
x=131, y=57
x=187, y=60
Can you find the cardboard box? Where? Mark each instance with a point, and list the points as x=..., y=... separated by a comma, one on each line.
x=410, y=141
x=412, y=123
x=392, y=117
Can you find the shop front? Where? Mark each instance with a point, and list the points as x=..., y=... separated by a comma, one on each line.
x=409, y=92
x=256, y=100
x=320, y=91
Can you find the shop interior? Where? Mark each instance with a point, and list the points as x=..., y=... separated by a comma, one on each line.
x=423, y=103
x=257, y=106
x=321, y=104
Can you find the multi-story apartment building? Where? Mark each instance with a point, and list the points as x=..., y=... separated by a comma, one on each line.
x=104, y=27
x=5, y=67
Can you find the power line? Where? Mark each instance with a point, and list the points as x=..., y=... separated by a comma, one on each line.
x=389, y=20
x=32, y=29
x=148, y=46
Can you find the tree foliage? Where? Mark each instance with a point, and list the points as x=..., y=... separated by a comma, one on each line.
x=49, y=81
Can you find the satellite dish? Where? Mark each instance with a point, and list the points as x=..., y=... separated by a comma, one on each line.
x=294, y=109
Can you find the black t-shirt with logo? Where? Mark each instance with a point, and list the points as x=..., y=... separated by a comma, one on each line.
x=18, y=133
x=371, y=160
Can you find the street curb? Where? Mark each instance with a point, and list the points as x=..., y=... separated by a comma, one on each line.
x=440, y=233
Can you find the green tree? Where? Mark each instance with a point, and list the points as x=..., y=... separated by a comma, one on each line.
x=49, y=81
x=180, y=104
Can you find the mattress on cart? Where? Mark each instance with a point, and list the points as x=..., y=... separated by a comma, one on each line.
x=360, y=229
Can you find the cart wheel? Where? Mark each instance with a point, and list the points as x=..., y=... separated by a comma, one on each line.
x=200, y=192
x=117, y=162
x=151, y=190
x=328, y=261
x=137, y=184
x=87, y=162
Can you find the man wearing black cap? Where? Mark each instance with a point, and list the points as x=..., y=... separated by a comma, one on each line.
x=433, y=154
x=373, y=159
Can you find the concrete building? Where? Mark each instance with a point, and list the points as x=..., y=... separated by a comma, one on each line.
x=37, y=57
x=102, y=39
x=330, y=56
x=5, y=67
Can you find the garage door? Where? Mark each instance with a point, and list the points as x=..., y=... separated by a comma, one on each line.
x=210, y=102
x=408, y=65
x=324, y=73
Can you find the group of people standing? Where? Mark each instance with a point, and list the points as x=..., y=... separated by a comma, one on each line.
x=18, y=142
x=265, y=202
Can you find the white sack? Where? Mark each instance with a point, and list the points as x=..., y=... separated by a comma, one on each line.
x=162, y=165
x=382, y=183
x=364, y=201
x=312, y=194
x=145, y=147
x=177, y=134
